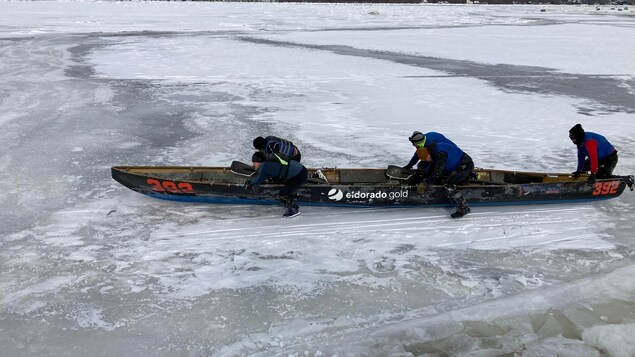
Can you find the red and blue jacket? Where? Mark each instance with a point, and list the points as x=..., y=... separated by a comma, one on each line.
x=596, y=148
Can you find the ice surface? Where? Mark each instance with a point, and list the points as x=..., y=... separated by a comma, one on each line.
x=88, y=267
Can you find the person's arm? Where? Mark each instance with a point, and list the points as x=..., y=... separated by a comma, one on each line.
x=592, y=149
x=439, y=159
x=424, y=167
x=580, y=159
x=262, y=175
x=413, y=161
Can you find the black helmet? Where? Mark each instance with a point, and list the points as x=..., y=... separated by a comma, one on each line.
x=258, y=156
x=577, y=134
x=417, y=138
x=259, y=143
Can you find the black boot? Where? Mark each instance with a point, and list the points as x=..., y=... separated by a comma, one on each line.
x=292, y=211
x=461, y=204
x=462, y=209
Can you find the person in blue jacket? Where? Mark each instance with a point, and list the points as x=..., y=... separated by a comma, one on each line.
x=595, y=154
x=421, y=157
x=444, y=163
x=274, y=147
x=292, y=173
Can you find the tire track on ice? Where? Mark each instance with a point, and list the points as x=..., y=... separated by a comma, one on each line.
x=541, y=223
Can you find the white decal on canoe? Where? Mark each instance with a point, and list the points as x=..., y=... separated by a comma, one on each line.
x=335, y=194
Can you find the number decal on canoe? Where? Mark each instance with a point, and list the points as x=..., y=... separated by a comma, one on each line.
x=169, y=186
x=156, y=185
x=606, y=188
x=185, y=187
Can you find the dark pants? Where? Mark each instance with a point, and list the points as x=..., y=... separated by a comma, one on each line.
x=605, y=166
x=459, y=176
x=291, y=185
x=462, y=173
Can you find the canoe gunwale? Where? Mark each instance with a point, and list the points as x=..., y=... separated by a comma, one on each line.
x=172, y=171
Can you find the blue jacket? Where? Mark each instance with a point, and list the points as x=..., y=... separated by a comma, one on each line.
x=596, y=148
x=437, y=143
x=454, y=154
x=275, y=170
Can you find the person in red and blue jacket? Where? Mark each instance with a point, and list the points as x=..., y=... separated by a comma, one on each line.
x=441, y=158
x=595, y=154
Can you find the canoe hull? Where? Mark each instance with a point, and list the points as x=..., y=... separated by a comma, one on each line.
x=220, y=186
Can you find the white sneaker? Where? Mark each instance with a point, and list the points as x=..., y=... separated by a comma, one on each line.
x=320, y=175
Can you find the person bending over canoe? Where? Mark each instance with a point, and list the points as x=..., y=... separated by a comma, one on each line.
x=445, y=158
x=595, y=154
x=421, y=157
x=276, y=148
x=293, y=174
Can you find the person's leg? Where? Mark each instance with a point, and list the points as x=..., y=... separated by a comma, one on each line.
x=458, y=177
x=454, y=195
x=461, y=175
x=286, y=198
x=287, y=191
x=606, y=166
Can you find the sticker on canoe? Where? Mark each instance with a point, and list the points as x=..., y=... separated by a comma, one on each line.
x=606, y=188
x=335, y=194
x=169, y=186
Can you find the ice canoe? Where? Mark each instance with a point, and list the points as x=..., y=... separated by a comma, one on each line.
x=363, y=187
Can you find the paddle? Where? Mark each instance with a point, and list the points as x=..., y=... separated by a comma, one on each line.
x=398, y=173
x=242, y=169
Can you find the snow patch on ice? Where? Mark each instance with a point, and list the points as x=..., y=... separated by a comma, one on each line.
x=25, y=300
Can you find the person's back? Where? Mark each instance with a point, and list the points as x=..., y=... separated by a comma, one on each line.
x=434, y=136
x=603, y=147
x=277, y=148
x=276, y=170
x=453, y=152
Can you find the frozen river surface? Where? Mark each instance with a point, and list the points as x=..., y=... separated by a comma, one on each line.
x=89, y=268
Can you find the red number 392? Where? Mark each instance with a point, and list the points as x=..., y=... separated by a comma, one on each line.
x=606, y=188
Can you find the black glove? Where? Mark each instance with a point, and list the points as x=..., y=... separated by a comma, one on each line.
x=576, y=174
x=591, y=179
x=407, y=167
